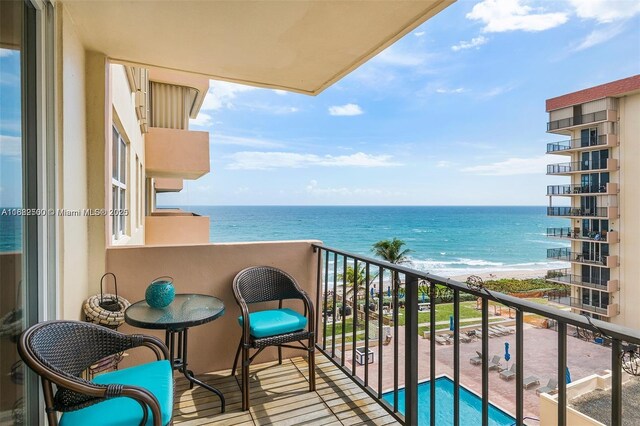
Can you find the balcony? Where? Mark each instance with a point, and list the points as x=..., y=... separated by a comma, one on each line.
x=610, y=310
x=564, y=276
x=347, y=391
x=583, y=235
x=581, y=120
x=604, y=165
x=575, y=145
x=578, y=189
x=577, y=212
x=173, y=153
x=171, y=227
x=167, y=185
x=566, y=254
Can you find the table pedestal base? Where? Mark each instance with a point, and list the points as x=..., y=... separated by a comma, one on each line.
x=176, y=341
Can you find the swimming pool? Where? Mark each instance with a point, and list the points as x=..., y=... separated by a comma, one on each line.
x=470, y=405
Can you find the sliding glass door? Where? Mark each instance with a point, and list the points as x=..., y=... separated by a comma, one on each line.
x=22, y=172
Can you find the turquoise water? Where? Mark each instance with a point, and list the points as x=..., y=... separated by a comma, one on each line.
x=443, y=240
x=470, y=405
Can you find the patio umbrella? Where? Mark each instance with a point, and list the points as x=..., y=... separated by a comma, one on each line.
x=507, y=355
x=388, y=291
x=567, y=375
x=451, y=327
x=371, y=291
x=423, y=297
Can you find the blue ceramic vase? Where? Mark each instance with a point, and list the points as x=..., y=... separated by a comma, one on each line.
x=160, y=292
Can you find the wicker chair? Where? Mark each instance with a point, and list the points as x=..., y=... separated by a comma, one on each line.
x=59, y=351
x=275, y=327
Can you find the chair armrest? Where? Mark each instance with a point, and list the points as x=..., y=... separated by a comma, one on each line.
x=144, y=398
x=153, y=343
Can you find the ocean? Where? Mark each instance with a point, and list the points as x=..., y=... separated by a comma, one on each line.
x=443, y=240
x=447, y=241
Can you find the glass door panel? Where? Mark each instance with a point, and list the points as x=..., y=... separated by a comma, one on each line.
x=12, y=308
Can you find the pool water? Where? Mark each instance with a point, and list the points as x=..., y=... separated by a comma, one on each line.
x=470, y=405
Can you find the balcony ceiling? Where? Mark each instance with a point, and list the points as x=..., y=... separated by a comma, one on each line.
x=302, y=46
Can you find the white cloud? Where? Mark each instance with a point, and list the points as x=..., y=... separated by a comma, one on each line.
x=202, y=120
x=280, y=92
x=474, y=42
x=419, y=33
x=391, y=56
x=512, y=15
x=606, y=11
x=314, y=189
x=221, y=139
x=221, y=94
x=511, y=166
x=498, y=90
x=598, y=36
x=6, y=52
x=248, y=160
x=10, y=146
x=450, y=91
x=443, y=164
x=345, y=110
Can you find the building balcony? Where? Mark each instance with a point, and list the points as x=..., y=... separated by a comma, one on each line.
x=567, y=147
x=167, y=184
x=577, y=212
x=582, y=120
x=174, y=153
x=349, y=392
x=566, y=254
x=578, y=234
x=610, y=310
x=578, y=189
x=605, y=165
x=172, y=227
x=564, y=276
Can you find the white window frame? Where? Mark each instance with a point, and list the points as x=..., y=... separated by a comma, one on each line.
x=119, y=185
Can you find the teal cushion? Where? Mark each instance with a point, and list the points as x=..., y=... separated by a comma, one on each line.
x=274, y=322
x=156, y=377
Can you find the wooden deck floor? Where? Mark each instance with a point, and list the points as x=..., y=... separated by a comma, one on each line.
x=280, y=395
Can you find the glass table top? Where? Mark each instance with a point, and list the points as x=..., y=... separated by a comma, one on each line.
x=186, y=310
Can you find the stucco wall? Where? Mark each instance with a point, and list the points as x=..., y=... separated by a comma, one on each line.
x=209, y=269
x=126, y=120
x=74, y=243
x=629, y=247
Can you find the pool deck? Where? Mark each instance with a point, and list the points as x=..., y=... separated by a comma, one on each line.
x=540, y=356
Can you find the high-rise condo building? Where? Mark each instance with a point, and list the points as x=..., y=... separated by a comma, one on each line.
x=602, y=162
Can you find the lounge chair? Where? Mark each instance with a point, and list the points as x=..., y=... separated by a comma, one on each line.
x=530, y=381
x=551, y=386
x=494, y=364
x=442, y=340
x=465, y=338
x=476, y=360
x=498, y=331
x=508, y=374
x=506, y=330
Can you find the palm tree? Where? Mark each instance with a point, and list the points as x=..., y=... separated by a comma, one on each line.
x=391, y=251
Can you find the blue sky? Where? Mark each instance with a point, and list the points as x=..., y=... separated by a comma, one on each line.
x=452, y=114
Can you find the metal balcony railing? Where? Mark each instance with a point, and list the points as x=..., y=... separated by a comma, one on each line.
x=577, y=234
x=576, y=166
x=566, y=277
x=576, y=143
x=375, y=274
x=575, y=302
x=575, y=121
x=573, y=211
x=576, y=189
x=565, y=253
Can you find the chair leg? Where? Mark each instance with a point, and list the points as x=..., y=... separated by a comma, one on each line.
x=279, y=355
x=245, y=378
x=312, y=366
x=235, y=360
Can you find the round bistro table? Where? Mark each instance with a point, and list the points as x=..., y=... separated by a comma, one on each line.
x=186, y=311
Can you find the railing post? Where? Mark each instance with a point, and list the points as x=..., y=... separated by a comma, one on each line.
x=562, y=372
x=616, y=382
x=411, y=350
x=456, y=357
x=485, y=361
x=519, y=368
x=432, y=351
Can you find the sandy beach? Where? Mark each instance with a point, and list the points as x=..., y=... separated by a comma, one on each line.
x=518, y=274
